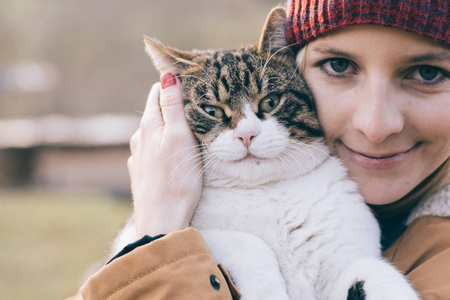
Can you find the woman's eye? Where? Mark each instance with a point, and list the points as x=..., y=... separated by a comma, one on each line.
x=214, y=111
x=337, y=67
x=269, y=103
x=426, y=74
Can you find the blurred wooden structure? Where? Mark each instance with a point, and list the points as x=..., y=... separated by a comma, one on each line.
x=66, y=152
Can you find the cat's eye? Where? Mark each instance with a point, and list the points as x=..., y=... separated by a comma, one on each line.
x=269, y=103
x=214, y=111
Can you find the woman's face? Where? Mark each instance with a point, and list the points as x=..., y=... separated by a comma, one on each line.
x=383, y=99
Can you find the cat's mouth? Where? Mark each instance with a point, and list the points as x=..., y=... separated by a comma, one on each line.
x=250, y=158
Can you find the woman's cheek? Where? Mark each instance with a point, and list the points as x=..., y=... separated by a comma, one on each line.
x=331, y=109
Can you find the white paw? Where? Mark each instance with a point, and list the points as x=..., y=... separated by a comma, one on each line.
x=389, y=287
x=381, y=281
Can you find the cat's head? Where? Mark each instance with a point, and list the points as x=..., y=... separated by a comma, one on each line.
x=249, y=107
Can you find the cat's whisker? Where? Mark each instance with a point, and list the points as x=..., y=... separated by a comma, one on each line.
x=305, y=150
x=299, y=164
x=311, y=146
x=208, y=159
x=294, y=74
x=218, y=165
x=268, y=60
x=211, y=162
x=297, y=146
x=204, y=146
x=172, y=174
x=191, y=158
x=196, y=147
x=276, y=83
x=274, y=77
x=289, y=162
x=214, y=165
x=203, y=143
x=197, y=176
x=212, y=84
x=199, y=98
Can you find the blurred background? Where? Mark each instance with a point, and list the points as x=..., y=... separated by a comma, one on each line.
x=74, y=79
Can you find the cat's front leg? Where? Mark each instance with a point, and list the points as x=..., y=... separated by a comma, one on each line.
x=372, y=279
x=250, y=262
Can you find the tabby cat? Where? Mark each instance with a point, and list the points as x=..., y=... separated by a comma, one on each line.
x=276, y=210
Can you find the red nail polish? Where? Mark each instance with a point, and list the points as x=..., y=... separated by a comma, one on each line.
x=168, y=80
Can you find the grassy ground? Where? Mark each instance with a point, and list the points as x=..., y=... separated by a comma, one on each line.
x=48, y=240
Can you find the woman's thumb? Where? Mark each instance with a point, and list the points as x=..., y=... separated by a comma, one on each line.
x=171, y=100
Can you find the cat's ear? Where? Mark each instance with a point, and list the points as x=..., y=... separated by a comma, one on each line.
x=273, y=36
x=167, y=59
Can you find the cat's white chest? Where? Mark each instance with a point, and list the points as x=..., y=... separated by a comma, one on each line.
x=262, y=210
x=272, y=205
x=294, y=217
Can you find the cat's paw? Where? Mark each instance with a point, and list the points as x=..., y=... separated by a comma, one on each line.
x=397, y=289
x=362, y=291
x=373, y=279
x=356, y=292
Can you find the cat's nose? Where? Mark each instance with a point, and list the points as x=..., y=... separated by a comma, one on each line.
x=246, y=136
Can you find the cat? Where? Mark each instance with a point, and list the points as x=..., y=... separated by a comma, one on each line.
x=277, y=210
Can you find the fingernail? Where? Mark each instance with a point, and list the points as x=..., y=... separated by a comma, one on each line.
x=168, y=80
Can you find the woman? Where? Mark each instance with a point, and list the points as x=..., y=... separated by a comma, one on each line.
x=379, y=73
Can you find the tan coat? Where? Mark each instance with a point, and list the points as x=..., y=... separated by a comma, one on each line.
x=423, y=254
x=179, y=266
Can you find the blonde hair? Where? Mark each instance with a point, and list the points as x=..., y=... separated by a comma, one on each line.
x=301, y=59
x=429, y=186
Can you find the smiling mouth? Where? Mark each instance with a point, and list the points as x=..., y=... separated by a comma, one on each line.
x=383, y=156
x=378, y=161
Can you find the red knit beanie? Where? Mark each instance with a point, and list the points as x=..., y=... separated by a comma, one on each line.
x=309, y=19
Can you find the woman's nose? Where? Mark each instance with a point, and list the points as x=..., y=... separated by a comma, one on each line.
x=378, y=112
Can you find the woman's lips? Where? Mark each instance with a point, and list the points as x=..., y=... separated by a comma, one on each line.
x=377, y=161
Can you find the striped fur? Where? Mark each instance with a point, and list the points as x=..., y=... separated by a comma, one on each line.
x=232, y=78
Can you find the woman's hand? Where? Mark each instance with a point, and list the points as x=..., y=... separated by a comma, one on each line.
x=165, y=163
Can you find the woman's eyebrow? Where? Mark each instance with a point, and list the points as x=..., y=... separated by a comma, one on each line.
x=334, y=52
x=431, y=57
x=439, y=56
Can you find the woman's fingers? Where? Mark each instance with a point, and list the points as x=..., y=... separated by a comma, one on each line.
x=171, y=102
x=165, y=166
